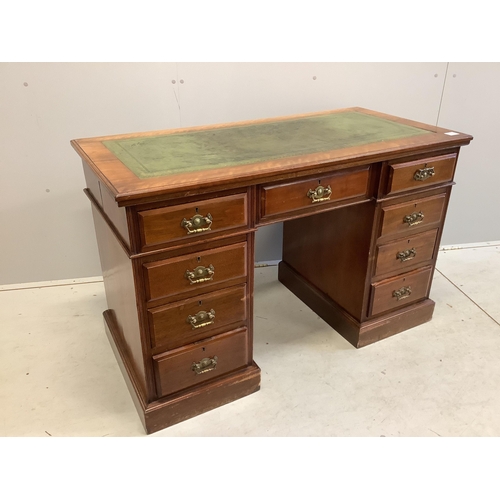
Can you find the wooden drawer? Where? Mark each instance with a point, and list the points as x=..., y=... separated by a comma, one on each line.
x=195, y=271
x=420, y=173
x=400, y=291
x=196, y=363
x=396, y=256
x=282, y=198
x=192, y=220
x=412, y=216
x=194, y=319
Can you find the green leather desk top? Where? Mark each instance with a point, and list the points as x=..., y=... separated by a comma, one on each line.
x=184, y=152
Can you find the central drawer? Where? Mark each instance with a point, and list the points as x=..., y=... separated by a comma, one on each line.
x=197, y=363
x=194, y=319
x=313, y=192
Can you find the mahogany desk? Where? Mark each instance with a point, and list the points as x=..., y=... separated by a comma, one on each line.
x=363, y=197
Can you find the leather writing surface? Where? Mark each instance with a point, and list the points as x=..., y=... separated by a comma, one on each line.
x=237, y=145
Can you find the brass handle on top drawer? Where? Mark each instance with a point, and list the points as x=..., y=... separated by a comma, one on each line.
x=413, y=219
x=196, y=223
x=205, y=365
x=402, y=293
x=320, y=194
x=424, y=173
x=200, y=274
x=201, y=319
x=405, y=255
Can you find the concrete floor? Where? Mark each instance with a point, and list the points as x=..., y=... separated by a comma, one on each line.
x=58, y=375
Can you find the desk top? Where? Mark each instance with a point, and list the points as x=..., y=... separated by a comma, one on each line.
x=230, y=155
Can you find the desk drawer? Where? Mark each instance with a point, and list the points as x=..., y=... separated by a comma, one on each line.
x=282, y=198
x=195, y=271
x=194, y=319
x=412, y=216
x=401, y=254
x=196, y=363
x=420, y=173
x=192, y=220
x=400, y=291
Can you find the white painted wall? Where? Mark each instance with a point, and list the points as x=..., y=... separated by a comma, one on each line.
x=45, y=221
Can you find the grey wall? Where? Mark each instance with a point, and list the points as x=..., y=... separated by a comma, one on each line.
x=45, y=221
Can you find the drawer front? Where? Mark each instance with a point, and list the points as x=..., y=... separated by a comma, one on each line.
x=412, y=216
x=421, y=173
x=196, y=271
x=196, y=363
x=191, y=320
x=282, y=198
x=192, y=220
x=401, y=254
x=400, y=291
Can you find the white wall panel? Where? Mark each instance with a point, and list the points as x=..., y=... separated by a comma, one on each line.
x=45, y=220
x=471, y=104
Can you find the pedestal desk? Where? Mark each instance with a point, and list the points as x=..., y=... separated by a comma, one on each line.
x=363, y=198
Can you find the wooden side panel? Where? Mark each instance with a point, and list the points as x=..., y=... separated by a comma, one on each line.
x=117, y=215
x=331, y=250
x=120, y=293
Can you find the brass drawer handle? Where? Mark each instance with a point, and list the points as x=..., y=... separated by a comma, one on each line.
x=405, y=255
x=201, y=319
x=196, y=223
x=413, y=219
x=320, y=194
x=402, y=293
x=200, y=274
x=424, y=173
x=205, y=365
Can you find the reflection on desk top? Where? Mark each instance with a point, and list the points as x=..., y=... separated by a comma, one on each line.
x=182, y=159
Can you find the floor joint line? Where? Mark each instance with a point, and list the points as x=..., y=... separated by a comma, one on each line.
x=472, y=300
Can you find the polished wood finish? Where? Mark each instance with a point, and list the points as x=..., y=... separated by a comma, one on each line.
x=402, y=175
x=167, y=277
x=170, y=327
x=383, y=298
x=340, y=256
x=174, y=370
x=287, y=197
x=417, y=249
x=430, y=208
x=162, y=225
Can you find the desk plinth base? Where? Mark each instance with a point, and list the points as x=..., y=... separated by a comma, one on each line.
x=186, y=404
x=358, y=334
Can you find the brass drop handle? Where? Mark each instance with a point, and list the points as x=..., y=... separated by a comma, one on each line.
x=402, y=293
x=201, y=319
x=197, y=223
x=200, y=274
x=205, y=365
x=320, y=194
x=405, y=255
x=424, y=173
x=413, y=219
